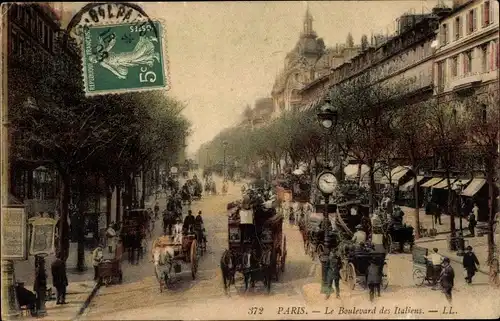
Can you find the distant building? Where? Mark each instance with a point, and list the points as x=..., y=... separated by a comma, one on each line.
x=406, y=55
x=308, y=60
x=259, y=115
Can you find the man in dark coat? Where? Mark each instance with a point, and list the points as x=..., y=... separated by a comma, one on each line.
x=374, y=278
x=469, y=262
x=59, y=279
x=189, y=222
x=447, y=278
x=26, y=298
x=334, y=275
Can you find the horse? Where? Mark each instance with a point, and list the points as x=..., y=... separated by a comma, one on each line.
x=257, y=270
x=228, y=269
x=162, y=258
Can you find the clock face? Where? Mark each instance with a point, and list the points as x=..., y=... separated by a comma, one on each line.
x=327, y=183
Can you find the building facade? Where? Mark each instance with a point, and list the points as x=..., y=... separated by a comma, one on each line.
x=310, y=59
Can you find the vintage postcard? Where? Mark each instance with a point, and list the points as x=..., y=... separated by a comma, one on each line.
x=250, y=160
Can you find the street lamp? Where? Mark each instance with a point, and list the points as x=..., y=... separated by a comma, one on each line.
x=224, y=166
x=326, y=183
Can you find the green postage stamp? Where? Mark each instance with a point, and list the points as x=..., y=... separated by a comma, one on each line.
x=123, y=57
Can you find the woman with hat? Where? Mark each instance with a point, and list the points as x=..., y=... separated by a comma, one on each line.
x=469, y=262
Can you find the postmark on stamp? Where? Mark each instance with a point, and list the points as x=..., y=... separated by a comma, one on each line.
x=123, y=57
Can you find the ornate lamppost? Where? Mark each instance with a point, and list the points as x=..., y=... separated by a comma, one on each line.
x=326, y=183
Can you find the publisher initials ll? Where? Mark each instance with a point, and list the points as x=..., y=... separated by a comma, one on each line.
x=448, y=310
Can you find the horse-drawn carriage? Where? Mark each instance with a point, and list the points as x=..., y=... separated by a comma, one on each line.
x=134, y=228
x=312, y=234
x=394, y=231
x=168, y=255
x=257, y=246
x=355, y=265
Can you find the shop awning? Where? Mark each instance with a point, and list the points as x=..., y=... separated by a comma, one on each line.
x=433, y=181
x=396, y=174
x=409, y=185
x=351, y=171
x=461, y=181
x=474, y=187
x=444, y=183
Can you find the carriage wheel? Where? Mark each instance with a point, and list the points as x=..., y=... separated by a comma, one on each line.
x=194, y=259
x=312, y=251
x=320, y=249
x=351, y=276
x=283, y=257
x=385, y=276
x=418, y=277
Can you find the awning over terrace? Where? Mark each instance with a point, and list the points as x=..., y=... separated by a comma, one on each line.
x=396, y=174
x=474, y=187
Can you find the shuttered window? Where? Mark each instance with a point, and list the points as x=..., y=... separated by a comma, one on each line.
x=485, y=8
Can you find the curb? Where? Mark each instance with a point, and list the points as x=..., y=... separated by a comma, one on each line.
x=92, y=294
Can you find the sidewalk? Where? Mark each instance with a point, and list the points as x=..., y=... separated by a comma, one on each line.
x=479, y=244
x=78, y=293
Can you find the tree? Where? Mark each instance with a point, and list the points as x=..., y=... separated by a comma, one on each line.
x=364, y=42
x=53, y=122
x=483, y=125
x=367, y=112
x=447, y=127
x=349, y=41
x=414, y=140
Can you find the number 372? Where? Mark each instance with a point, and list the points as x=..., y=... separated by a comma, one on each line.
x=146, y=76
x=255, y=310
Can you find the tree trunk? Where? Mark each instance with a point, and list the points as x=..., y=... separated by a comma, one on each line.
x=143, y=181
x=118, y=202
x=359, y=173
x=491, y=208
x=417, y=207
x=109, y=197
x=451, y=212
x=80, y=263
x=63, y=228
x=372, y=188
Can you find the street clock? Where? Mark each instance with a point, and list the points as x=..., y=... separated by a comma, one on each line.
x=327, y=182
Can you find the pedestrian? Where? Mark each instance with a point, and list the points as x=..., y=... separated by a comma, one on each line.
x=469, y=262
x=59, y=279
x=437, y=214
x=111, y=238
x=373, y=278
x=435, y=259
x=472, y=220
x=97, y=257
x=334, y=275
x=447, y=278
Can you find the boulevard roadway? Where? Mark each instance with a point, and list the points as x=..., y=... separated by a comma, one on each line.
x=139, y=297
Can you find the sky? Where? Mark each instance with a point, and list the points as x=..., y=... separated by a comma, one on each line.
x=225, y=55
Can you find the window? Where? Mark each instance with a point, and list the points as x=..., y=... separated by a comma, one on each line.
x=486, y=13
x=484, y=58
x=458, y=28
x=444, y=34
x=467, y=62
x=441, y=76
x=471, y=21
x=454, y=66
